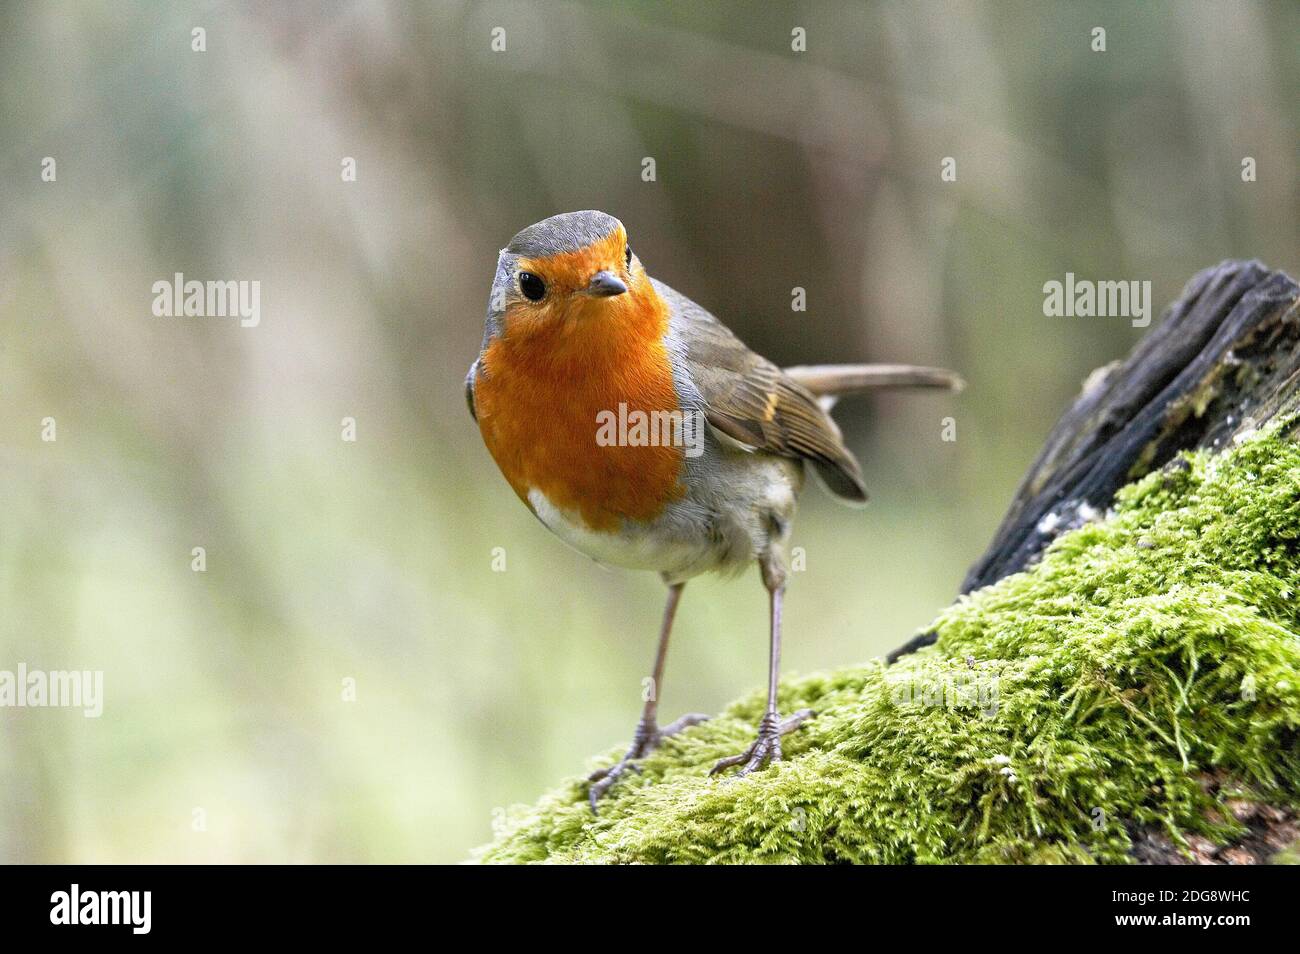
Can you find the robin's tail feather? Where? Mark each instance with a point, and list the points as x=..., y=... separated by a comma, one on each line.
x=839, y=380
x=830, y=382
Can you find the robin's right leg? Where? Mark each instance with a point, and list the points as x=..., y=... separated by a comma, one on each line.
x=767, y=746
x=648, y=734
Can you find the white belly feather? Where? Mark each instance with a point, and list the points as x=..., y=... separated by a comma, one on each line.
x=722, y=524
x=649, y=546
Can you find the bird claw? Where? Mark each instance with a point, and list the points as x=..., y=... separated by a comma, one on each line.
x=602, y=780
x=767, y=746
x=646, y=739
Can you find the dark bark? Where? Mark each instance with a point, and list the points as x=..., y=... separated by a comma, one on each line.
x=1225, y=357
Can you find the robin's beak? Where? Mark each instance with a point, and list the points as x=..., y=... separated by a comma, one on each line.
x=605, y=284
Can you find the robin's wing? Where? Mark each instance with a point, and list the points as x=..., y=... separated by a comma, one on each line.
x=469, y=389
x=753, y=402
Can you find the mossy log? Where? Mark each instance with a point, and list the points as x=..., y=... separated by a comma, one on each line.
x=1118, y=683
x=1224, y=360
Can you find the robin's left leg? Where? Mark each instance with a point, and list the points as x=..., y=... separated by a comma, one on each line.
x=767, y=746
x=648, y=734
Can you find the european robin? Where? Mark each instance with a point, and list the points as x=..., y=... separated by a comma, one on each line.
x=642, y=432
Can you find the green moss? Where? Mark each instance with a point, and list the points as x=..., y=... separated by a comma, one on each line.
x=1060, y=709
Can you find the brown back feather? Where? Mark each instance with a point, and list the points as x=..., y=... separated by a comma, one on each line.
x=754, y=402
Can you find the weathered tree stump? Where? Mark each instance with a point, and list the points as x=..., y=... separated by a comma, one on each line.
x=1224, y=360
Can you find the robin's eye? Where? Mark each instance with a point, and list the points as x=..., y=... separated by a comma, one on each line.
x=534, y=288
x=629, y=256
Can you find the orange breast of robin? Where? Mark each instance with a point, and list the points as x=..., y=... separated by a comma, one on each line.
x=548, y=383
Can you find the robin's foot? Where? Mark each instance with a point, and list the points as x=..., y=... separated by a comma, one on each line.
x=646, y=739
x=767, y=747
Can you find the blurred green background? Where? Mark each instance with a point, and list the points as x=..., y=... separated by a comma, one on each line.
x=372, y=560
